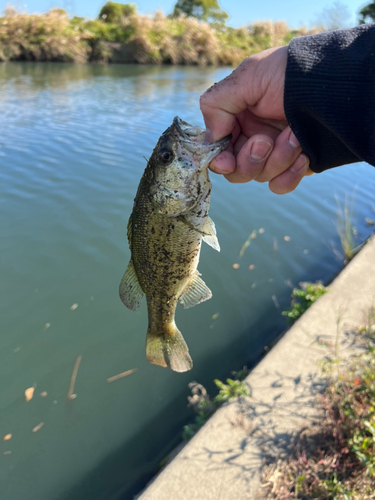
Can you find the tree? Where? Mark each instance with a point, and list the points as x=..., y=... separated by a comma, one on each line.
x=335, y=17
x=367, y=13
x=113, y=12
x=204, y=10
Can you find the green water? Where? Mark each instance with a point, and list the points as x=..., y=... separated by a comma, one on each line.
x=72, y=146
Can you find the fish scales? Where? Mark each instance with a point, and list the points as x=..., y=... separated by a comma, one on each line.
x=165, y=232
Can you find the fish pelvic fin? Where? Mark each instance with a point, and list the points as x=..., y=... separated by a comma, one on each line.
x=168, y=348
x=130, y=290
x=196, y=292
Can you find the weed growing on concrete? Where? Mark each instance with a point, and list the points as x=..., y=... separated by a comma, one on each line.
x=302, y=298
x=204, y=406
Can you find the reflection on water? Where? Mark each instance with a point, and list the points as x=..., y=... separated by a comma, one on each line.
x=72, y=145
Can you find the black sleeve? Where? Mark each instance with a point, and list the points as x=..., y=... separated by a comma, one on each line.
x=329, y=96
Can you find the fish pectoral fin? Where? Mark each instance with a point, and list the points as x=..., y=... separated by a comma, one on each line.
x=196, y=292
x=208, y=231
x=130, y=290
x=183, y=219
x=210, y=237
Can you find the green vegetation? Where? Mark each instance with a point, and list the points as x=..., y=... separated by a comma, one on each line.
x=204, y=407
x=121, y=34
x=116, y=13
x=204, y=10
x=303, y=298
x=367, y=13
x=336, y=459
x=345, y=227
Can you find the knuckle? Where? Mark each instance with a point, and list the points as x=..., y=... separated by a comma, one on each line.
x=203, y=100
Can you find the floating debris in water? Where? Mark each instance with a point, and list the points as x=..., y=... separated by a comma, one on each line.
x=254, y=285
x=73, y=379
x=247, y=243
x=270, y=280
x=370, y=222
x=289, y=283
x=306, y=251
x=47, y=325
x=38, y=427
x=275, y=301
x=7, y=437
x=251, y=267
x=121, y=375
x=43, y=394
x=215, y=316
x=287, y=238
x=261, y=230
x=29, y=393
x=7, y=452
x=236, y=266
x=17, y=349
x=275, y=244
x=73, y=307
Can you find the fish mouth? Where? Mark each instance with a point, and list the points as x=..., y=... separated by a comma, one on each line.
x=193, y=139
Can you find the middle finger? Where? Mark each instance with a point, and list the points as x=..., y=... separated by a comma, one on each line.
x=284, y=153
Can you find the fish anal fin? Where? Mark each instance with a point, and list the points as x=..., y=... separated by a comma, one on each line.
x=210, y=237
x=130, y=290
x=168, y=349
x=196, y=292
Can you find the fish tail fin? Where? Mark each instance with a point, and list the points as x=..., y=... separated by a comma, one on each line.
x=168, y=348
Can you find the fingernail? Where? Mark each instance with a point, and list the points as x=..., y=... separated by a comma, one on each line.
x=300, y=164
x=293, y=141
x=208, y=136
x=259, y=150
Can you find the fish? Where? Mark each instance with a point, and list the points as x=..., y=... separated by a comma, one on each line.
x=165, y=231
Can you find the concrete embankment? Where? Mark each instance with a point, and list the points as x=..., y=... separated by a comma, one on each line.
x=224, y=460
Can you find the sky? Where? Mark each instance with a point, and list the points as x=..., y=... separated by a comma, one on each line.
x=241, y=12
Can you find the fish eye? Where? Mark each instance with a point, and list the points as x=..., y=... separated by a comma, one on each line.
x=166, y=155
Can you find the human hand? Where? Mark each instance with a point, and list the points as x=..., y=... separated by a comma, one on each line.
x=249, y=105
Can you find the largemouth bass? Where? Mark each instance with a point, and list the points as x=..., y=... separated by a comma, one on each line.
x=165, y=232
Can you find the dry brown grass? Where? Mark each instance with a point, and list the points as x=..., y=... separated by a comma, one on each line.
x=44, y=37
x=156, y=39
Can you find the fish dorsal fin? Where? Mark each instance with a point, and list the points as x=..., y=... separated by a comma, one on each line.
x=130, y=290
x=196, y=292
x=210, y=237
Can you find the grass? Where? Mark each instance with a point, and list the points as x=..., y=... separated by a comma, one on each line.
x=335, y=460
x=156, y=39
x=345, y=227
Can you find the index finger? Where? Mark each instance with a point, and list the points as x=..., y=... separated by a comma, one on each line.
x=221, y=102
